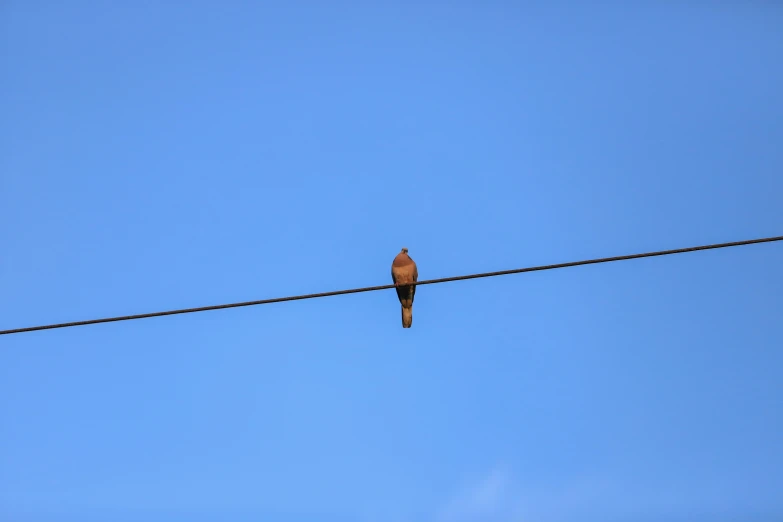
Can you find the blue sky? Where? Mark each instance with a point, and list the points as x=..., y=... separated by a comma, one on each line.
x=166, y=155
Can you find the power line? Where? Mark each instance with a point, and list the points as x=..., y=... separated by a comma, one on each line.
x=386, y=287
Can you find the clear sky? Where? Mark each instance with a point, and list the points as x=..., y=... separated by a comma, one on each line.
x=161, y=155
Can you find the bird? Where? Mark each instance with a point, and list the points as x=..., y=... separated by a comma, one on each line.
x=404, y=271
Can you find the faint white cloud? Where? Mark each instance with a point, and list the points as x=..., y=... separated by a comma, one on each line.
x=498, y=496
x=491, y=498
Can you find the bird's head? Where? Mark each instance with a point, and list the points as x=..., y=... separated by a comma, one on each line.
x=404, y=250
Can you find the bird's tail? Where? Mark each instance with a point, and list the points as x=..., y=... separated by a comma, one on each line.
x=407, y=316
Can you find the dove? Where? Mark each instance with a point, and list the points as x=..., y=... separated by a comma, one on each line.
x=404, y=271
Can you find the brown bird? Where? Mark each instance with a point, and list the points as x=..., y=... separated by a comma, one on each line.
x=404, y=271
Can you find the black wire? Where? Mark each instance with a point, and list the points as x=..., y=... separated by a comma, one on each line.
x=385, y=287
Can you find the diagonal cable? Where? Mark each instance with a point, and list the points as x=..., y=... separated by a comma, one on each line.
x=386, y=287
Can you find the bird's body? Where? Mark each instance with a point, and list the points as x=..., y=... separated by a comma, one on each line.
x=404, y=271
